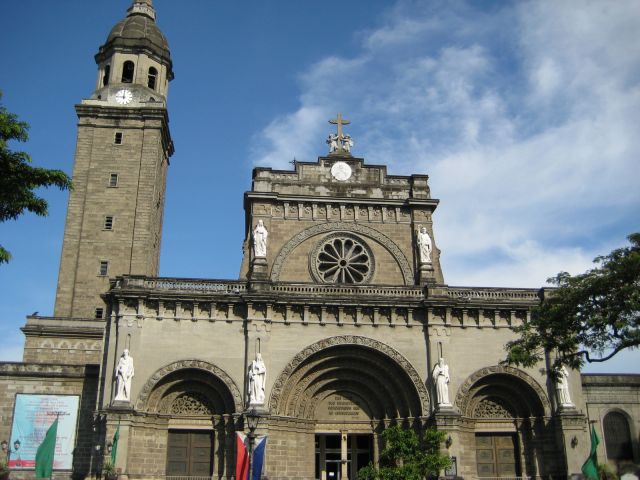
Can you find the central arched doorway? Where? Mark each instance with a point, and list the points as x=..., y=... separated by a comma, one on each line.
x=347, y=391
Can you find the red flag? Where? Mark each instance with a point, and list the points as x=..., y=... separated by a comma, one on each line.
x=242, y=457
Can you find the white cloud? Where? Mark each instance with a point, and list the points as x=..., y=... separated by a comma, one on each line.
x=525, y=119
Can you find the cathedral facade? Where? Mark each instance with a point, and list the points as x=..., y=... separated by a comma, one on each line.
x=340, y=325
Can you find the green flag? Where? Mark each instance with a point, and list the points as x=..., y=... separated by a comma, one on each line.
x=114, y=448
x=46, y=452
x=590, y=467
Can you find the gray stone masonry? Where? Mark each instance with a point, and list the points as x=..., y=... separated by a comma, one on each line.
x=132, y=245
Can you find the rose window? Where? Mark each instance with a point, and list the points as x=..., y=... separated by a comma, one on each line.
x=342, y=258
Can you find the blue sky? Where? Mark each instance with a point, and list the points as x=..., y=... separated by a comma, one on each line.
x=524, y=114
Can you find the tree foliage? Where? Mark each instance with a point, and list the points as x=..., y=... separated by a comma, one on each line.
x=589, y=317
x=18, y=179
x=405, y=456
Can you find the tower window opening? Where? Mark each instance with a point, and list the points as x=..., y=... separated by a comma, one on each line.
x=104, y=268
x=107, y=73
x=152, y=77
x=127, y=72
x=117, y=139
x=99, y=312
x=108, y=222
x=113, y=180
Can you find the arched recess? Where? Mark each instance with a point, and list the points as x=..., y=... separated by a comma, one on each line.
x=334, y=227
x=506, y=408
x=517, y=392
x=617, y=436
x=189, y=384
x=374, y=376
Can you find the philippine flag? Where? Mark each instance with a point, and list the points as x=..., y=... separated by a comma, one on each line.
x=242, y=456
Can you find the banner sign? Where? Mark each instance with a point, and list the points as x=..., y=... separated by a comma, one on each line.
x=32, y=417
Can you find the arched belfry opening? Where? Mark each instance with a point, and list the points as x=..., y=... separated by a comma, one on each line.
x=198, y=402
x=509, y=414
x=346, y=390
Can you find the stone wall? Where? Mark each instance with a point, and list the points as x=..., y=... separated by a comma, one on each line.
x=290, y=450
x=605, y=393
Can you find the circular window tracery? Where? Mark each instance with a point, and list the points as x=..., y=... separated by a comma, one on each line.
x=343, y=259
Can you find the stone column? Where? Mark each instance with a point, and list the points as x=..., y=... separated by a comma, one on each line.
x=344, y=448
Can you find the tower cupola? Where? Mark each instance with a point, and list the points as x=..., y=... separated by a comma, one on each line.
x=136, y=56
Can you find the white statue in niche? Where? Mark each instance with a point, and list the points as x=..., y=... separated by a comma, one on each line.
x=441, y=379
x=124, y=374
x=424, y=245
x=260, y=235
x=257, y=378
x=562, y=388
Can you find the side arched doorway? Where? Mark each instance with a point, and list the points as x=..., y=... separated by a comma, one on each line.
x=192, y=404
x=340, y=394
x=507, y=414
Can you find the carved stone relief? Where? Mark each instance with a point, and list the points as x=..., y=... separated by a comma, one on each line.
x=191, y=403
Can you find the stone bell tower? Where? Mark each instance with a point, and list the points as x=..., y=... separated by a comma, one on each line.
x=114, y=217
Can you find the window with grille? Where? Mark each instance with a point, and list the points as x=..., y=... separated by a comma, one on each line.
x=342, y=258
x=108, y=222
x=99, y=312
x=104, y=268
x=117, y=139
x=113, y=180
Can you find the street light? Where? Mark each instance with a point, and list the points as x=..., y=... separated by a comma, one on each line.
x=253, y=419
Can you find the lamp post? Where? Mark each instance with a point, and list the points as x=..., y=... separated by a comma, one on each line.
x=253, y=418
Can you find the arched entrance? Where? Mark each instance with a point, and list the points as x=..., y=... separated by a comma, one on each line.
x=348, y=389
x=199, y=401
x=507, y=410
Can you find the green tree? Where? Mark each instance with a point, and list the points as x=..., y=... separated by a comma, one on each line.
x=405, y=456
x=589, y=317
x=18, y=179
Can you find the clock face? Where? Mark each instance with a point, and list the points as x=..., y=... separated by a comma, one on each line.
x=123, y=97
x=341, y=171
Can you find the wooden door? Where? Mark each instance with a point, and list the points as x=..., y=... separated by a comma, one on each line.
x=189, y=453
x=496, y=455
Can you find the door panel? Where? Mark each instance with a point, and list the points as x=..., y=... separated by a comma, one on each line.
x=189, y=453
x=496, y=455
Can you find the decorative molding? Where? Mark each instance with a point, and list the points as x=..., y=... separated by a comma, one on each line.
x=463, y=399
x=332, y=227
x=47, y=370
x=146, y=390
x=281, y=381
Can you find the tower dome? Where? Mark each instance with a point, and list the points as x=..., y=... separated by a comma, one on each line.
x=136, y=51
